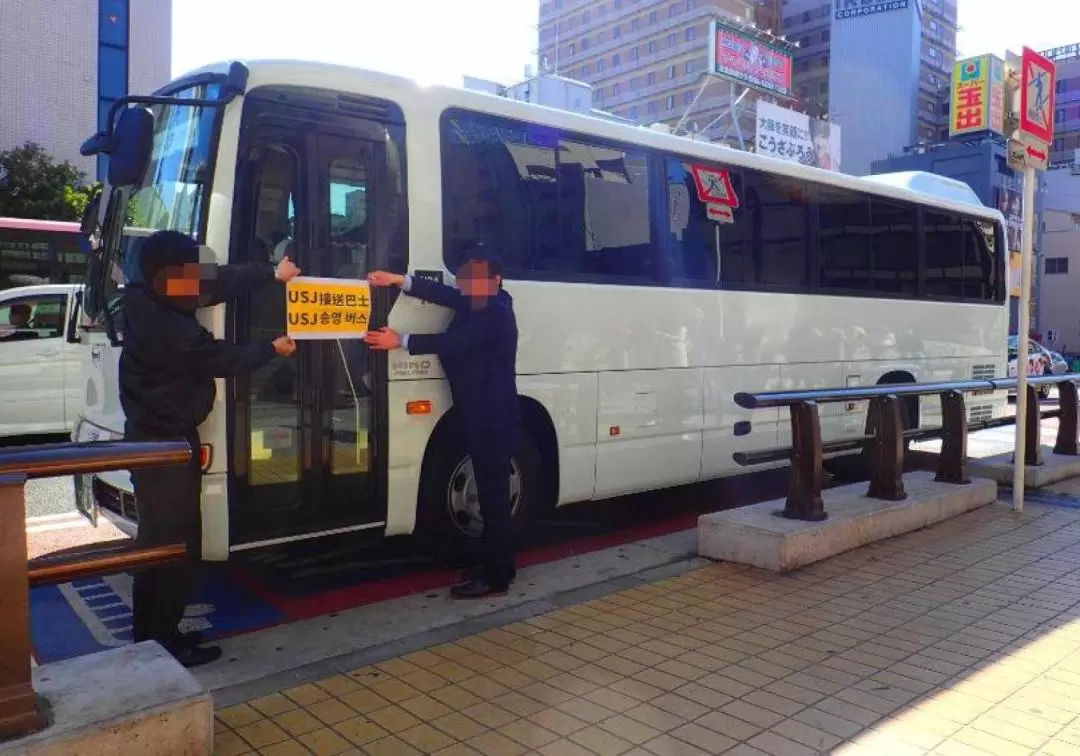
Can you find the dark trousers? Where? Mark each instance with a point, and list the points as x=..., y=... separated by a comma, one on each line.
x=491, y=464
x=167, y=499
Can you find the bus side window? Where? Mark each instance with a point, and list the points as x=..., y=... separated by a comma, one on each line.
x=779, y=230
x=944, y=254
x=706, y=252
x=559, y=206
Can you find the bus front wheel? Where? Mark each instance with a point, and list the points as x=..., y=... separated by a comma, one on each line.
x=448, y=519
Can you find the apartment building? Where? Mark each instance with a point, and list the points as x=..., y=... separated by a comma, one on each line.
x=64, y=62
x=1060, y=260
x=1066, y=145
x=646, y=59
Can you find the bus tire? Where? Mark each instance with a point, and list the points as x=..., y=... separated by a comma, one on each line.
x=448, y=521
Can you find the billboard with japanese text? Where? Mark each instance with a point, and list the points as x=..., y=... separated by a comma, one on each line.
x=977, y=97
x=755, y=63
x=796, y=137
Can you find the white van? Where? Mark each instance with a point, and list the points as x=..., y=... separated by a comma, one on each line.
x=40, y=364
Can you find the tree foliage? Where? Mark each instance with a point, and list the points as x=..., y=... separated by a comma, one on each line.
x=34, y=185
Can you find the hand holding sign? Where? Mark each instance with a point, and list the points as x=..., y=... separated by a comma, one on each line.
x=286, y=270
x=383, y=340
x=284, y=346
x=382, y=279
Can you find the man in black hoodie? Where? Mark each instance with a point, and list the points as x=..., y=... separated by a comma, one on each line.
x=167, y=370
x=478, y=352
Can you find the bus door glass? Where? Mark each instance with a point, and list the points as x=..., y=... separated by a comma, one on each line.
x=307, y=430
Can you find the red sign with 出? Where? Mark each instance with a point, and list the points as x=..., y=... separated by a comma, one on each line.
x=1038, y=80
x=714, y=186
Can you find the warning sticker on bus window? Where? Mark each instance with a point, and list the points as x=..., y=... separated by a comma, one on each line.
x=719, y=213
x=714, y=186
x=327, y=308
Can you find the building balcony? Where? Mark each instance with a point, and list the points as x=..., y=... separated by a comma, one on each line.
x=938, y=65
x=945, y=11
x=930, y=88
x=939, y=37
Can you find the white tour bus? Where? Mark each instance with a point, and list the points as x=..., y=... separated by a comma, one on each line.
x=653, y=277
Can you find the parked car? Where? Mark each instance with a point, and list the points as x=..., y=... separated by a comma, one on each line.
x=1058, y=365
x=1039, y=362
x=40, y=365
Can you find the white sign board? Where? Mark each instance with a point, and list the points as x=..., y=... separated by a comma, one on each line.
x=796, y=137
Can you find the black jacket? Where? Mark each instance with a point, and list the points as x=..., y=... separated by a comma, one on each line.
x=169, y=361
x=478, y=352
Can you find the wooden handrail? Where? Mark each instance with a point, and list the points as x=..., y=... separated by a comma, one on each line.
x=886, y=436
x=19, y=711
x=55, y=460
x=102, y=562
x=767, y=399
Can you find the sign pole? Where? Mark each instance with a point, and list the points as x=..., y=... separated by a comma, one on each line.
x=1023, y=330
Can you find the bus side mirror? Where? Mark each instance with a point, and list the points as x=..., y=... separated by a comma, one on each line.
x=73, y=336
x=95, y=145
x=88, y=226
x=132, y=142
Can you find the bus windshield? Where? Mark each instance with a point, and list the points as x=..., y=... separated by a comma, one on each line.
x=170, y=195
x=172, y=192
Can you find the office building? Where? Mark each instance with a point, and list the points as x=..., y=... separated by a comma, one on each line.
x=64, y=62
x=879, y=69
x=646, y=59
x=1060, y=268
x=1066, y=145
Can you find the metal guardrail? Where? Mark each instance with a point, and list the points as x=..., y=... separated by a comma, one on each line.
x=19, y=710
x=887, y=437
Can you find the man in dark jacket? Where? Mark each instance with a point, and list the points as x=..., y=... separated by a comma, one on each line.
x=478, y=352
x=167, y=370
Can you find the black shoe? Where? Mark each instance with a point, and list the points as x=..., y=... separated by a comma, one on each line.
x=193, y=638
x=478, y=588
x=195, y=656
x=478, y=573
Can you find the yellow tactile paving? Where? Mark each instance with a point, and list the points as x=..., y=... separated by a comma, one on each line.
x=960, y=639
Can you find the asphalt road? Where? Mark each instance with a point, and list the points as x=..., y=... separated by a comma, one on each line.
x=49, y=496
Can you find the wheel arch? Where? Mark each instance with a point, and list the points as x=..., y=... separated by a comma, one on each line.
x=536, y=421
x=896, y=377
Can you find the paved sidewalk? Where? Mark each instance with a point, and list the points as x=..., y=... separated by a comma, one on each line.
x=959, y=639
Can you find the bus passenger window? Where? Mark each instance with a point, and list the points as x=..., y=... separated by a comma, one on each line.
x=706, y=251
x=895, y=248
x=982, y=266
x=944, y=254
x=845, y=258
x=778, y=206
x=556, y=206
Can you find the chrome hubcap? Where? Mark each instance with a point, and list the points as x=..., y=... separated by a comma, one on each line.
x=463, y=504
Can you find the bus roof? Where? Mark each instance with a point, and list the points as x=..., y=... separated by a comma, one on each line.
x=30, y=224
x=414, y=97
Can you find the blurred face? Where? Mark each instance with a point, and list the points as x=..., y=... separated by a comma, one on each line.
x=476, y=281
x=184, y=282
x=19, y=316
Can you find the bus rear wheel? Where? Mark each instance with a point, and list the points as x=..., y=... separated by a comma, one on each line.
x=448, y=518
